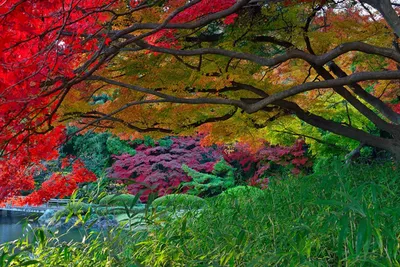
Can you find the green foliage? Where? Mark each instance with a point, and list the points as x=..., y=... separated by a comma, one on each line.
x=48, y=249
x=116, y=147
x=78, y=207
x=205, y=184
x=340, y=146
x=119, y=210
x=150, y=142
x=119, y=200
x=93, y=192
x=223, y=169
x=95, y=149
x=179, y=201
x=147, y=141
x=242, y=191
x=91, y=148
x=73, y=209
x=166, y=142
x=322, y=143
x=340, y=216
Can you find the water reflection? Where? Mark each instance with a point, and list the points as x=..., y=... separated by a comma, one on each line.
x=11, y=227
x=14, y=227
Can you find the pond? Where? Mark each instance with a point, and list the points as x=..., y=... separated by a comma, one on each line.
x=12, y=227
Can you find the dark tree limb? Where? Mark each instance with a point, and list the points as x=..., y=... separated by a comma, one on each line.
x=370, y=99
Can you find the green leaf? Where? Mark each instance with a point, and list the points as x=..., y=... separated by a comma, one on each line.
x=29, y=262
x=344, y=224
x=361, y=235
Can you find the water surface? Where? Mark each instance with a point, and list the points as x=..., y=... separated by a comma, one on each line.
x=18, y=225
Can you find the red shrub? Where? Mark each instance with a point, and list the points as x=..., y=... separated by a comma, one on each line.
x=158, y=169
x=60, y=185
x=267, y=161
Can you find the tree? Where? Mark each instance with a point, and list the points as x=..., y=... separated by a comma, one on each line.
x=173, y=66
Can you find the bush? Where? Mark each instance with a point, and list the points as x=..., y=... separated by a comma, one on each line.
x=90, y=147
x=73, y=209
x=205, y=184
x=156, y=167
x=179, y=201
x=119, y=200
x=95, y=149
x=117, y=210
x=117, y=147
x=256, y=167
x=340, y=216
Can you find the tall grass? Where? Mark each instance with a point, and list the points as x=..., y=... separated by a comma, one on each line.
x=340, y=216
x=45, y=248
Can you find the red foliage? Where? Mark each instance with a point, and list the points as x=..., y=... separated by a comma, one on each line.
x=32, y=51
x=60, y=185
x=45, y=42
x=158, y=169
x=17, y=169
x=396, y=108
x=263, y=161
x=241, y=155
x=166, y=38
x=42, y=46
x=291, y=2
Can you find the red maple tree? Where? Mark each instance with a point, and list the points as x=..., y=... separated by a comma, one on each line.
x=48, y=48
x=38, y=66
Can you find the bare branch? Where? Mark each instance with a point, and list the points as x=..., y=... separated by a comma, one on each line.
x=354, y=78
x=170, y=98
x=291, y=54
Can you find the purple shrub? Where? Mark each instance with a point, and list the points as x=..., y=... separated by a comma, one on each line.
x=158, y=169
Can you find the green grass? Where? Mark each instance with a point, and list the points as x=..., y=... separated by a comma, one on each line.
x=339, y=216
x=179, y=201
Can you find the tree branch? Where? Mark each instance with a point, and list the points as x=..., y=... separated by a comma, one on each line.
x=291, y=54
x=357, y=77
x=370, y=99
